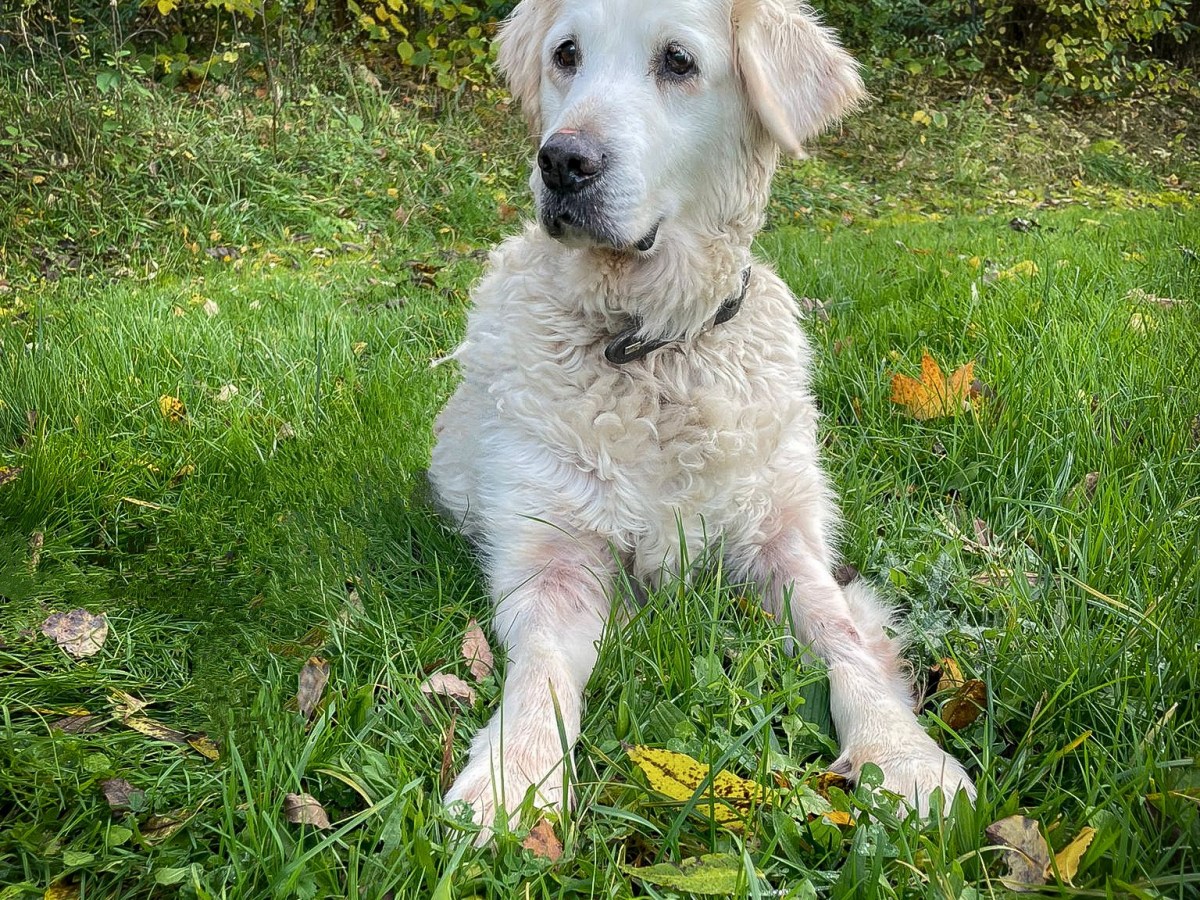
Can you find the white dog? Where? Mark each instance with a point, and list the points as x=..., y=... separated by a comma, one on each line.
x=630, y=372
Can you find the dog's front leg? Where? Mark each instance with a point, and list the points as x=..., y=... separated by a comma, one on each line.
x=552, y=601
x=870, y=695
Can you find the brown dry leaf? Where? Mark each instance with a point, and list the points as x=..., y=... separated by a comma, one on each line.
x=78, y=724
x=313, y=678
x=1137, y=295
x=934, y=395
x=304, y=809
x=157, y=829
x=227, y=393
x=1025, y=853
x=120, y=794
x=211, y=308
x=1141, y=323
x=36, y=542
x=1067, y=860
x=1083, y=492
x=543, y=842
x=61, y=891
x=9, y=473
x=965, y=706
x=1001, y=578
x=952, y=676
x=1196, y=433
x=450, y=687
x=446, y=775
x=78, y=632
x=477, y=652
x=172, y=409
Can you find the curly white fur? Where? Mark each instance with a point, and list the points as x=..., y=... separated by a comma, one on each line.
x=559, y=464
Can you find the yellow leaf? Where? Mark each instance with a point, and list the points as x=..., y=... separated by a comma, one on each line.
x=205, y=746
x=837, y=817
x=1026, y=268
x=61, y=891
x=172, y=408
x=920, y=117
x=165, y=7
x=1068, y=858
x=676, y=775
x=952, y=677
x=934, y=395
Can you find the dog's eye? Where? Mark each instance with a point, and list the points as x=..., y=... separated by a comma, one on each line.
x=566, y=56
x=677, y=61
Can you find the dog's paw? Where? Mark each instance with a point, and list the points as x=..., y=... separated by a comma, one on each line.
x=495, y=787
x=915, y=768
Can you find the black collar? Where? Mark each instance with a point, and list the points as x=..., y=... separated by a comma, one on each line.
x=627, y=346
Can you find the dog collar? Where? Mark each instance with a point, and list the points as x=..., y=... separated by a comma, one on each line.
x=627, y=346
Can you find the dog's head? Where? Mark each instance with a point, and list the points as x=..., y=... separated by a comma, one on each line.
x=644, y=112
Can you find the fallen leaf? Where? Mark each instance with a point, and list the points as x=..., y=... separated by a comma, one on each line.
x=826, y=780
x=451, y=687
x=224, y=254
x=120, y=794
x=1083, y=492
x=677, y=776
x=1196, y=433
x=965, y=706
x=36, y=541
x=1067, y=860
x=304, y=809
x=446, y=774
x=1025, y=851
x=543, y=842
x=1024, y=226
x=838, y=817
x=157, y=829
x=313, y=678
x=227, y=393
x=934, y=395
x=156, y=730
x=285, y=432
x=1141, y=323
x=61, y=891
x=78, y=632
x=78, y=724
x=1026, y=268
x=715, y=874
x=952, y=677
x=477, y=652
x=172, y=408
x=205, y=746
x=125, y=705
x=9, y=473
x=1001, y=578
x=211, y=309
x=1137, y=295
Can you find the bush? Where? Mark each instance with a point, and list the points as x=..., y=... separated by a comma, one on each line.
x=1059, y=46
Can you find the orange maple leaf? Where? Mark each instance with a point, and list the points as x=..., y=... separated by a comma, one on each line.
x=934, y=395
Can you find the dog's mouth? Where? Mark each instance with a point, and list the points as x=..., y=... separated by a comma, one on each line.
x=567, y=228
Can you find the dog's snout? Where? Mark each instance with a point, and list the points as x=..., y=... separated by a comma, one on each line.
x=570, y=161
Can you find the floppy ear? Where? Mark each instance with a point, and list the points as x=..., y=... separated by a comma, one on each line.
x=796, y=74
x=520, y=55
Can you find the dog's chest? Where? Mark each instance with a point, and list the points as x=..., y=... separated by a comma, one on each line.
x=684, y=434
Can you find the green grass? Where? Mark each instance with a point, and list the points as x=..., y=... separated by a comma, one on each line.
x=225, y=547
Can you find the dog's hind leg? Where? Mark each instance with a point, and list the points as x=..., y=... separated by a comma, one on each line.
x=552, y=593
x=870, y=695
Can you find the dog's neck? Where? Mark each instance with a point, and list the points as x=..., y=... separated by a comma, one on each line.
x=676, y=291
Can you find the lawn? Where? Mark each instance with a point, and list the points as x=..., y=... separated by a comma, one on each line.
x=216, y=330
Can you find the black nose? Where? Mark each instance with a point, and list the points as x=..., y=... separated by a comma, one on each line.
x=570, y=161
